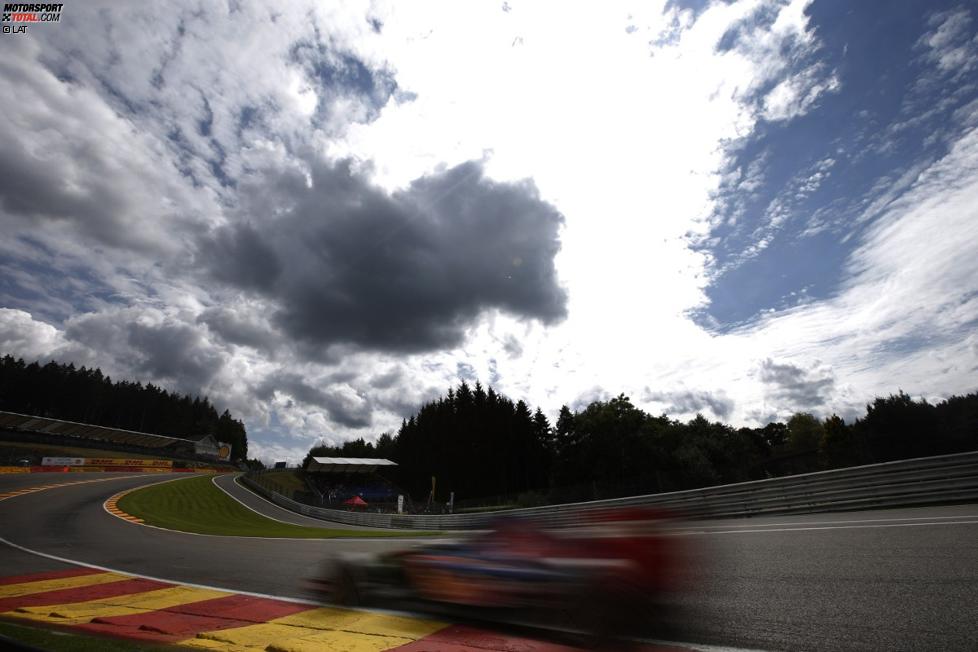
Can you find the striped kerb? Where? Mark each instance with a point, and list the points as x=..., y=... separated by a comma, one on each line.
x=111, y=604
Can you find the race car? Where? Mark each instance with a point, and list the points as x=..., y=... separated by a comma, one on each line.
x=613, y=572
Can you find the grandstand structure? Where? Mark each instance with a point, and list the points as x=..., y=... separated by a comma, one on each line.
x=35, y=429
x=352, y=482
x=346, y=465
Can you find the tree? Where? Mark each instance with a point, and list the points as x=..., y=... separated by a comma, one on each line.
x=804, y=432
x=838, y=445
x=476, y=442
x=897, y=427
x=62, y=391
x=774, y=435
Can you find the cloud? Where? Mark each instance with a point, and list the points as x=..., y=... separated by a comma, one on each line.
x=512, y=346
x=796, y=95
x=466, y=372
x=243, y=325
x=387, y=379
x=346, y=263
x=588, y=396
x=152, y=345
x=70, y=165
x=291, y=220
x=794, y=388
x=241, y=256
x=344, y=405
x=177, y=352
x=950, y=43
x=685, y=402
x=22, y=336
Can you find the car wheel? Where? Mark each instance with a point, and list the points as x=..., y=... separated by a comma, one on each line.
x=346, y=588
x=615, y=611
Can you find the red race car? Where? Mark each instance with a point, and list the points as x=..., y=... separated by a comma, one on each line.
x=615, y=572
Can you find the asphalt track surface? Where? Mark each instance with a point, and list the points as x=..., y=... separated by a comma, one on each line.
x=877, y=580
x=256, y=503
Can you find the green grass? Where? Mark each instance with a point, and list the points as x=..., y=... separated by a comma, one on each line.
x=63, y=641
x=286, y=481
x=195, y=505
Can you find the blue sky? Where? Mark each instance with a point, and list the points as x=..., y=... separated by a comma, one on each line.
x=324, y=216
x=892, y=114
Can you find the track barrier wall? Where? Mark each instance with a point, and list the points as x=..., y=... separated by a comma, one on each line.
x=903, y=483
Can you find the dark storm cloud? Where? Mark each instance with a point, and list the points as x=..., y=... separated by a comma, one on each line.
x=238, y=328
x=38, y=189
x=388, y=379
x=794, y=386
x=405, y=402
x=170, y=351
x=241, y=256
x=693, y=401
x=409, y=272
x=342, y=409
x=71, y=166
x=176, y=351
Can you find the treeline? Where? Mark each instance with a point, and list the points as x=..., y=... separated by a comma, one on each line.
x=60, y=391
x=479, y=444
x=475, y=442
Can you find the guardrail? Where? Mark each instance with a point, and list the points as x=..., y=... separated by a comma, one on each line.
x=919, y=481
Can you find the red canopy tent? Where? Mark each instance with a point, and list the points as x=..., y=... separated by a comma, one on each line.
x=356, y=501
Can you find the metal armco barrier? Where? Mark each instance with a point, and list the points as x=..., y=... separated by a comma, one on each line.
x=920, y=481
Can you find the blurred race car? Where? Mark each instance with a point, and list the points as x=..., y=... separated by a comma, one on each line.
x=613, y=573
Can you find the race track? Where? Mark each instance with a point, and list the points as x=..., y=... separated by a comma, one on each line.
x=256, y=503
x=881, y=580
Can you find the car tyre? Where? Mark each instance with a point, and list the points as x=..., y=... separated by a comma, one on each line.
x=346, y=588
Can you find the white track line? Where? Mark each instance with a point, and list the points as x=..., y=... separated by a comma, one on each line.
x=195, y=585
x=312, y=603
x=680, y=533
x=240, y=536
x=348, y=527
x=107, y=569
x=757, y=529
x=39, y=488
x=321, y=520
x=220, y=536
x=272, y=518
x=839, y=522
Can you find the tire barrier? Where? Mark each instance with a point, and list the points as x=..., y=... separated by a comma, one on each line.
x=904, y=483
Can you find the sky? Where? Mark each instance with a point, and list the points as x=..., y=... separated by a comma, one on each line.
x=323, y=215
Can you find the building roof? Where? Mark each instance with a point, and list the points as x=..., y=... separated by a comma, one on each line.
x=29, y=423
x=347, y=464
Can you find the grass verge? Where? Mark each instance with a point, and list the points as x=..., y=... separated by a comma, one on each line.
x=53, y=640
x=286, y=481
x=195, y=505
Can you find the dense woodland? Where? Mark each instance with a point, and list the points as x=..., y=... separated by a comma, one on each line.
x=59, y=391
x=478, y=443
